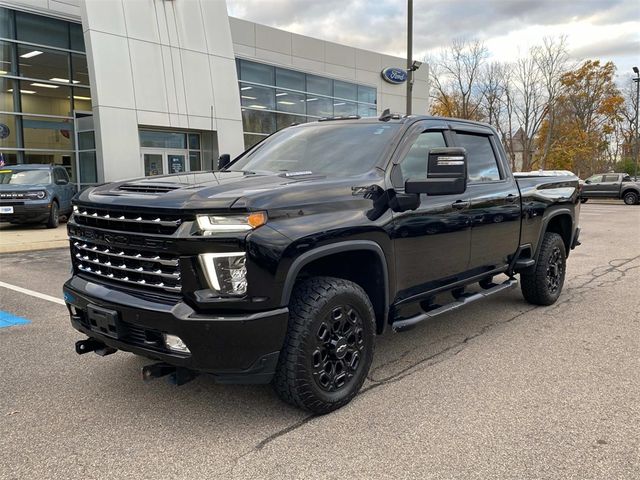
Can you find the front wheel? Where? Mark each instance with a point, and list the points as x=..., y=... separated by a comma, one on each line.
x=543, y=285
x=584, y=200
x=329, y=345
x=54, y=216
x=630, y=198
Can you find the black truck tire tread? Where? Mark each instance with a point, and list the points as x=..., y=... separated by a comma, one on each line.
x=534, y=284
x=290, y=382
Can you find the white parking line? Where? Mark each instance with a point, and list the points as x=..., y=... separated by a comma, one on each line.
x=26, y=291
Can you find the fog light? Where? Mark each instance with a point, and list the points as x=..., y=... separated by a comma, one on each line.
x=175, y=343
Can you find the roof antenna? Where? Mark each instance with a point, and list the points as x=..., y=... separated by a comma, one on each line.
x=386, y=115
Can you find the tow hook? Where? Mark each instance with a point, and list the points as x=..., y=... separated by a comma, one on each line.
x=92, y=345
x=176, y=375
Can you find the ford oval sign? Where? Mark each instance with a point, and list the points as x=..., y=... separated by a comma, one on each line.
x=394, y=75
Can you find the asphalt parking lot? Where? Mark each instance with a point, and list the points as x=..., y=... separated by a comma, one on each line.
x=500, y=390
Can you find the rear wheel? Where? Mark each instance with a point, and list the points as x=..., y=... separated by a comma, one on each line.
x=630, y=198
x=54, y=216
x=543, y=285
x=329, y=345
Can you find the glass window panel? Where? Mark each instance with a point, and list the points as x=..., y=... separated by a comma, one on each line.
x=194, y=161
x=366, y=94
x=290, y=102
x=9, y=157
x=257, y=97
x=42, y=30
x=6, y=25
x=6, y=66
x=319, y=85
x=77, y=38
x=319, y=106
x=257, y=72
x=341, y=108
x=290, y=79
x=8, y=131
x=155, y=139
x=415, y=163
x=367, y=111
x=86, y=141
x=45, y=100
x=47, y=65
x=47, y=133
x=255, y=121
x=153, y=164
x=80, y=73
x=251, y=140
x=482, y=165
x=345, y=90
x=284, y=120
x=42, y=157
x=82, y=99
x=194, y=141
x=6, y=94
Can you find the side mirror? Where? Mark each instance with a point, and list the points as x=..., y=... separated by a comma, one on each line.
x=587, y=181
x=446, y=173
x=61, y=181
x=224, y=160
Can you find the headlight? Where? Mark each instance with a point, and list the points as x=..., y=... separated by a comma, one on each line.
x=231, y=223
x=39, y=195
x=226, y=272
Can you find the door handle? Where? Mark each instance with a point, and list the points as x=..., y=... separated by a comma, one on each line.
x=511, y=198
x=460, y=205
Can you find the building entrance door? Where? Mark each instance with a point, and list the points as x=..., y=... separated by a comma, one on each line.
x=160, y=161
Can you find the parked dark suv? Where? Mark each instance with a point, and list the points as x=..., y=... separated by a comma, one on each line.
x=34, y=193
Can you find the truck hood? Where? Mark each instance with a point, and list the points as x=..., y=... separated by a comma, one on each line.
x=223, y=190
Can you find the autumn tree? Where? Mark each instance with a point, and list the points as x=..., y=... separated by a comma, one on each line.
x=588, y=111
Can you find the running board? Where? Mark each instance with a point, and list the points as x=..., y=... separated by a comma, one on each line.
x=408, y=323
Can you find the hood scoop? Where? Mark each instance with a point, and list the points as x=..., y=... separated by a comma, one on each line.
x=148, y=187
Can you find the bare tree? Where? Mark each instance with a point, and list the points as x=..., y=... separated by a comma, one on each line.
x=551, y=59
x=529, y=103
x=455, y=76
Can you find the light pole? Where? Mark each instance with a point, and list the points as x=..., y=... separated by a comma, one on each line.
x=637, y=80
x=409, y=53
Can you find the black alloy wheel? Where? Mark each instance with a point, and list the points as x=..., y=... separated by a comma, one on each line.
x=630, y=198
x=555, y=270
x=338, y=348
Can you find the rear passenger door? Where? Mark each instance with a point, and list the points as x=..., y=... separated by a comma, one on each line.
x=611, y=186
x=494, y=201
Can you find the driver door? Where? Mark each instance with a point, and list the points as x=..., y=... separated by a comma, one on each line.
x=432, y=242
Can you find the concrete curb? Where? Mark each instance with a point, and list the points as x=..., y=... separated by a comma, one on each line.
x=34, y=246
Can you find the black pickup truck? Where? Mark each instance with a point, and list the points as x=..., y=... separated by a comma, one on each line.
x=285, y=264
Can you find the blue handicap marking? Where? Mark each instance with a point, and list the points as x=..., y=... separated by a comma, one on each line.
x=9, y=320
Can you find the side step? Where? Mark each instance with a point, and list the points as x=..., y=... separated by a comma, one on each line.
x=408, y=323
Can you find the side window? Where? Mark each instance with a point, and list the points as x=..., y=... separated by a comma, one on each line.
x=482, y=164
x=63, y=174
x=415, y=163
x=594, y=179
x=611, y=178
x=56, y=175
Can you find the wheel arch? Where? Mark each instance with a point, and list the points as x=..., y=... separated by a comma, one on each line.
x=338, y=260
x=560, y=222
x=630, y=189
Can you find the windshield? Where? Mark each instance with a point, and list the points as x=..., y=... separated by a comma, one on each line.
x=25, y=177
x=323, y=148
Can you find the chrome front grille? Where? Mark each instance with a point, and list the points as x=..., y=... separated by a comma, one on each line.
x=127, y=266
x=127, y=221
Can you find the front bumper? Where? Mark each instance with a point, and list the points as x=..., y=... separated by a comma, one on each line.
x=236, y=348
x=29, y=211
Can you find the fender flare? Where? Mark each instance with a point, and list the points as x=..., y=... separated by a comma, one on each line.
x=333, y=248
x=545, y=224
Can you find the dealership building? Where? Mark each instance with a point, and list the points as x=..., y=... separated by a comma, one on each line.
x=115, y=89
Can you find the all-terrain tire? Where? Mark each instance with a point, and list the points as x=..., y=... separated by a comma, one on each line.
x=54, y=216
x=329, y=345
x=630, y=198
x=543, y=284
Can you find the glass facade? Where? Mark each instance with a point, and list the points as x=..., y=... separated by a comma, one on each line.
x=45, y=101
x=273, y=98
x=170, y=151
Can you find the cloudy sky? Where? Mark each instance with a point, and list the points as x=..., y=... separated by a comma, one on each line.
x=605, y=29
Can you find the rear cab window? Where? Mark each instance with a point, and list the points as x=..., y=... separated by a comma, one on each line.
x=482, y=162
